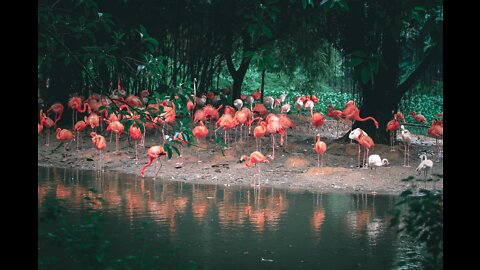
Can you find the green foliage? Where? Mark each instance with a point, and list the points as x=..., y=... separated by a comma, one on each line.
x=423, y=221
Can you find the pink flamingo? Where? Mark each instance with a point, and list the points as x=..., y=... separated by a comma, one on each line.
x=419, y=118
x=100, y=144
x=392, y=126
x=363, y=140
x=320, y=147
x=351, y=112
x=335, y=114
x=255, y=157
x=79, y=126
x=57, y=108
x=117, y=128
x=154, y=152
x=436, y=131
x=64, y=135
x=136, y=135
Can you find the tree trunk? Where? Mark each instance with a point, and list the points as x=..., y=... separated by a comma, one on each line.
x=263, y=85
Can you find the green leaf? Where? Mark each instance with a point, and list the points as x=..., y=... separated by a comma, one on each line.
x=267, y=31
x=364, y=74
x=354, y=62
x=176, y=149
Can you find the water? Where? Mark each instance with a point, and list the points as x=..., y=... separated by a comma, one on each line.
x=217, y=227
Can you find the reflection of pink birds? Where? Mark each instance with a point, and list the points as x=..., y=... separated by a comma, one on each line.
x=255, y=157
x=64, y=135
x=320, y=148
x=100, y=144
x=57, y=108
x=154, y=152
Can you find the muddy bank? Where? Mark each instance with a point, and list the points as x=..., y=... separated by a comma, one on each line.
x=294, y=166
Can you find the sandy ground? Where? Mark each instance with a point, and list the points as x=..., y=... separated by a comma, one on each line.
x=294, y=166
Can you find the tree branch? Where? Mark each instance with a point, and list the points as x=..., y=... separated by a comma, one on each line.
x=415, y=75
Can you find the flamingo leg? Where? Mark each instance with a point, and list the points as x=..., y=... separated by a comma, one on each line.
x=136, y=152
x=273, y=145
x=116, y=142
x=318, y=160
x=358, y=155
x=321, y=164
x=158, y=168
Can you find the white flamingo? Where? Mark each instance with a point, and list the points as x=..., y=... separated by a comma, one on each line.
x=375, y=160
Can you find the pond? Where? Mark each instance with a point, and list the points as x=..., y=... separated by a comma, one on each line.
x=178, y=225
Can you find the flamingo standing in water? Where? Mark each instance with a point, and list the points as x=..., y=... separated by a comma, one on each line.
x=100, y=144
x=320, y=147
x=407, y=139
x=436, y=131
x=363, y=140
x=255, y=157
x=64, y=135
x=154, y=152
x=79, y=126
x=136, y=135
x=392, y=126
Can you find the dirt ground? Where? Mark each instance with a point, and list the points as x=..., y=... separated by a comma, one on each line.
x=294, y=166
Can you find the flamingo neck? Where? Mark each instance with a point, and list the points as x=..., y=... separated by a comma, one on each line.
x=146, y=165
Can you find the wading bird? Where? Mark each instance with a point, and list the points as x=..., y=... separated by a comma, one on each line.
x=255, y=157
x=154, y=152
x=320, y=148
x=100, y=144
x=376, y=161
x=407, y=139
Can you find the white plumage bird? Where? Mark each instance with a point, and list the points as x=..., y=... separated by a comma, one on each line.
x=375, y=160
x=238, y=103
x=268, y=101
x=425, y=166
x=298, y=105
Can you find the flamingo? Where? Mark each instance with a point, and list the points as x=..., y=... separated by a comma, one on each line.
x=298, y=105
x=258, y=132
x=117, y=128
x=64, y=135
x=320, y=147
x=335, y=114
x=238, y=103
x=260, y=110
x=255, y=157
x=273, y=127
x=407, y=139
x=285, y=123
x=154, y=152
x=200, y=131
x=183, y=140
x=241, y=117
x=269, y=102
x=250, y=100
x=317, y=120
x=436, y=131
x=285, y=108
x=363, y=140
x=419, y=118
x=136, y=135
x=47, y=123
x=375, y=160
x=93, y=120
x=256, y=94
x=100, y=144
x=80, y=126
x=392, y=126
x=226, y=122
x=424, y=167
x=351, y=112
x=57, y=108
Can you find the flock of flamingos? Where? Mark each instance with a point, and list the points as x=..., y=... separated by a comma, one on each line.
x=204, y=110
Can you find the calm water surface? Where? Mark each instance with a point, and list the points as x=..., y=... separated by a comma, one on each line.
x=217, y=227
